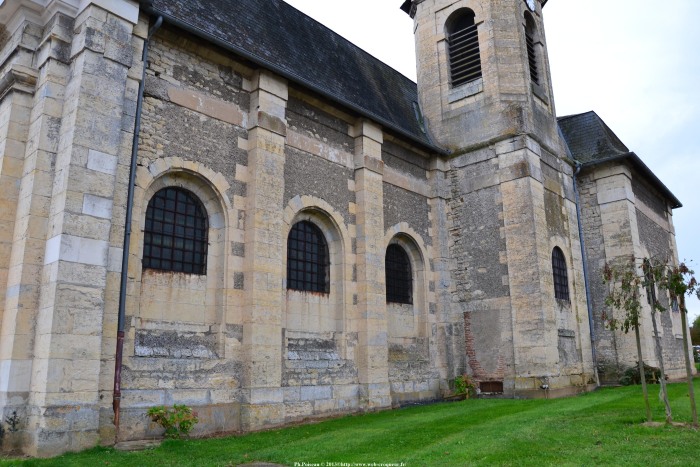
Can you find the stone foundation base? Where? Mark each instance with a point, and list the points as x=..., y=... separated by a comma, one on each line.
x=214, y=418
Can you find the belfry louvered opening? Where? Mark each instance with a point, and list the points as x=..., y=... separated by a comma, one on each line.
x=463, y=49
x=530, y=32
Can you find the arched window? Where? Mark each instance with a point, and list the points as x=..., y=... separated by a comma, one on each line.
x=176, y=234
x=399, y=280
x=561, y=278
x=530, y=33
x=463, y=48
x=307, y=259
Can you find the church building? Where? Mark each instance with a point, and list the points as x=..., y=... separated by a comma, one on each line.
x=224, y=204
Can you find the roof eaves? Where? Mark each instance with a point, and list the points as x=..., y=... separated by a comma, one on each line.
x=150, y=9
x=646, y=172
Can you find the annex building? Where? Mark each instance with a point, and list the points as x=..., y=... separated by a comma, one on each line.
x=224, y=204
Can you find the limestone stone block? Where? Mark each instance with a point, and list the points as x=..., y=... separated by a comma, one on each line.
x=77, y=250
x=297, y=410
x=315, y=393
x=259, y=416
x=324, y=406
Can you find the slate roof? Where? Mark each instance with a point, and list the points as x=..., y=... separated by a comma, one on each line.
x=591, y=142
x=278, y=37
x=589, y=138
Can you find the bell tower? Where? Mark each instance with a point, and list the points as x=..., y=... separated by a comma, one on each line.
x=485, y=92
x=483, y=71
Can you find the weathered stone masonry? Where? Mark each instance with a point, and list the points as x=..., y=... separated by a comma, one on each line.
x=624, y=217
x=474, y=183
x=60, y=279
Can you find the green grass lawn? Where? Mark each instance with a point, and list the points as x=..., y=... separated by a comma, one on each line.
x=601, y=428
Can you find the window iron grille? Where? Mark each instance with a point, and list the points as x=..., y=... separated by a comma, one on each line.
x=176, y=233
x=561, y=278
x=307, y=259
x=399, y=280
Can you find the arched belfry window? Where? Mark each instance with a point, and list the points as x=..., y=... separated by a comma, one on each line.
x=561, y=277
x=176, y=234
x=463, y=48
x=530, y=34
x=307, y=259
x=399, y=280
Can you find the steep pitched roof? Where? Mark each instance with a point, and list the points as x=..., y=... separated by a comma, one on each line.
x=279, y=37
x=589, y=138
x=592, y=142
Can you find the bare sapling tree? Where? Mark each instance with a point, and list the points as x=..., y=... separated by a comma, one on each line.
x=626, y=279
x=653, y=275
x=623, y=295
x=680, y=281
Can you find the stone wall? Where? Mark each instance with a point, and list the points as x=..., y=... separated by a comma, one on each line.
x=184, y=332
x=57, y=319
x=654, y=221
x=401, y=205
x=625, y=217
x=306, y=174
x=261, y=153
x=16, y=328
x=205, y=128
x=511, y=204
x=594, y=241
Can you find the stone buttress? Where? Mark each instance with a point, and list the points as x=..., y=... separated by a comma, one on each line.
x=67, y=146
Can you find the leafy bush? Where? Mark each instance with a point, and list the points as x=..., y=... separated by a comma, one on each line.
x=631, y=375
x=177, y=421
x=465, y=386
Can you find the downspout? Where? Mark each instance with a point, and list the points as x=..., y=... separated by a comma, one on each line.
x=585, y=274
x=121, y=318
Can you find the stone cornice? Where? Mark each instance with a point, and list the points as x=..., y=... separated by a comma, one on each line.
x=18, y=78
x=14, y=13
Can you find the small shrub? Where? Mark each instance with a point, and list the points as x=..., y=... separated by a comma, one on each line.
x=177, y=421
x=631, y=375
x=464, y=385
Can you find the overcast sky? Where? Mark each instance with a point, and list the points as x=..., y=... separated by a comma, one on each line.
x=635, y=62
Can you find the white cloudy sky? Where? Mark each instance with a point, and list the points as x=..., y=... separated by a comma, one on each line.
x=635, y=62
